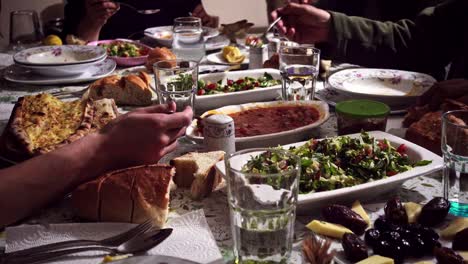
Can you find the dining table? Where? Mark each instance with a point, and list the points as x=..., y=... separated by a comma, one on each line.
x=215, y=207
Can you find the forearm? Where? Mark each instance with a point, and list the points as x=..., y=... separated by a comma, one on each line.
x=33, y=184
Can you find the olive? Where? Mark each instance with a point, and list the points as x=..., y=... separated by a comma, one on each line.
x=447, y=256
x=342, y=215
x=392, y=236
x=460, y=242
x=434, y=212
x=405, y=246
x=354, y=248
x=395, y=212
x=372, y=236
x=404, y=232
x=389, y=249
x=428, y=233
x=382, y=224
x=417, y=247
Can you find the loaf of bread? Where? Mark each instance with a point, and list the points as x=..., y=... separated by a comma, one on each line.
x=129, y=195
x=157, y=55
x=427, y=132
x=133, y=89
x=197, y=171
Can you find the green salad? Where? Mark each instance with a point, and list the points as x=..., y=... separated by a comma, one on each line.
x=242, y=84
x=338, y=162
x=124, y=49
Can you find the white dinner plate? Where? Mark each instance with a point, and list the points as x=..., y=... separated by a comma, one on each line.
x=59, y=55
x=212, y=101
x=15, y=73
x=388, y=86
x=366, y=191
x=163, y=34
x=218, y=58
x=61, y=71
x=268, y=140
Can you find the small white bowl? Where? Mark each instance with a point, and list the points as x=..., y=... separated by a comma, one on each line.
x=59, y=55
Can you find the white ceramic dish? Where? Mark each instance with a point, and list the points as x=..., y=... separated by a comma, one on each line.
x=61, y=71
x=163, y=35
x=388, y=86
x=59, y=55
x=218, y=58
x=212, y=101
x=15, y=73
x=366, y=191
x=267, y=140
x=154, y=260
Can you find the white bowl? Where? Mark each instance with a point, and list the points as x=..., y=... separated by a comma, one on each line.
x=61, y=71
x=268, y=140
x=59, y=55
x=163, y=34
x=366, y=191
x=212, y=101
x=387, y=86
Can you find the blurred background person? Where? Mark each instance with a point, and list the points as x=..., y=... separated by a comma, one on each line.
x=104, y=19
x=436, y=38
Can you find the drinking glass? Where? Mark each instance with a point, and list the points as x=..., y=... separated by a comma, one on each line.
x=188, y=42
x=262, y=206
x=25, y=30
x=299, y=66
x=176, y=80
x=455, y=152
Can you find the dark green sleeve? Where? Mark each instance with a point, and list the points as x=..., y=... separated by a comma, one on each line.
x=426, y=44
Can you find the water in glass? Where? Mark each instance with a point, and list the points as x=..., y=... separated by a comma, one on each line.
x=188, y=42
x=455, y=152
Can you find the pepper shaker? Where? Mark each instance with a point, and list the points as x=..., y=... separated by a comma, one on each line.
x=219, y=133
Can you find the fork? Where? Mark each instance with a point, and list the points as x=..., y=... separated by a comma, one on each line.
x=140, y=11
x=65, y=93
x=108, y=242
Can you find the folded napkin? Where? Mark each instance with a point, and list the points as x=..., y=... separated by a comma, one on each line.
x=191, y=238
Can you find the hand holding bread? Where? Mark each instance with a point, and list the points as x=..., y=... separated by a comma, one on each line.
x=142, y=136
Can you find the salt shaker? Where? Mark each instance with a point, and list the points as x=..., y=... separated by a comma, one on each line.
x=219, y=133
x=257, y=56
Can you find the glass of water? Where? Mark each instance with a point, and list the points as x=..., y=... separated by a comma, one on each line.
x=25, y=29
x=262, y=200
x=188, y=42
x=455, y=152
x=177, y=81
x=299, y=66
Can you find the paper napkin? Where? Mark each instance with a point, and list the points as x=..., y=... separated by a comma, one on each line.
x=191, y=238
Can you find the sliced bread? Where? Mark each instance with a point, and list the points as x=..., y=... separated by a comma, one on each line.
x=133, y=89
x=197, y=171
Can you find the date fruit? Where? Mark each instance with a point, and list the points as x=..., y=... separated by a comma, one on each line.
x=395, y=212
x=434, y=212
x=460, y=242
x=354, y=248
x=344, y=216
x=447, y=256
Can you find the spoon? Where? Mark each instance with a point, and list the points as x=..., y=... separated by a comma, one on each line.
x=138, y=244
x=140, y=11
x=263, y=37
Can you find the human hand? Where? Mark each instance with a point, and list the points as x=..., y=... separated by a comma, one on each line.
x=207, y=20
x=99, y=11
x=303, y=23
x=142, y=136
x=451, y=89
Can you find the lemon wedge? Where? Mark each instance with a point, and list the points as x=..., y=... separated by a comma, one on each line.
x=52, y=40
x=232, y=54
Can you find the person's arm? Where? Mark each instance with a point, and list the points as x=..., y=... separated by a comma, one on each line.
x=427, y=45
x=140, y=137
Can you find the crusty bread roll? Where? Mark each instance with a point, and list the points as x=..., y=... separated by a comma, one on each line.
x=197, y=171
x=130, y=195
x=133, y=89
x=427, y=132
x=159, y=54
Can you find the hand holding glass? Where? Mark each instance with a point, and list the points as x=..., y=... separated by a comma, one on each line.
x=177, y=81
